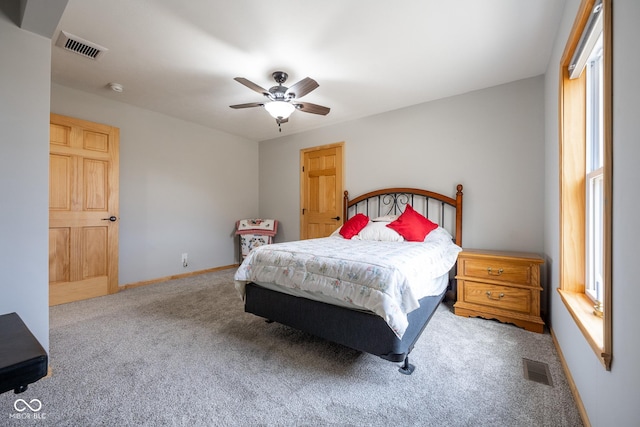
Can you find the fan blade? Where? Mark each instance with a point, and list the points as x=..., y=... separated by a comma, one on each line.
x=308, y=107
x=251, y=85
x=247, y=105
x=302, y=88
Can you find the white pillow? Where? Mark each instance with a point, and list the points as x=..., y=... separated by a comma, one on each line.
x=379, y=231
x=386, y=218
x=439, y=235
x=337, y=233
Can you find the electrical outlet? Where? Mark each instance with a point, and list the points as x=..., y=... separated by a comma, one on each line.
x=185, y=259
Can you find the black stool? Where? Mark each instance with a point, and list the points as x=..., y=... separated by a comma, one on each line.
x=22, y=359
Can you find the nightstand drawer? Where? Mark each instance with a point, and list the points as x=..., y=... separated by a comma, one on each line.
x=503, y=297
x=501, y=270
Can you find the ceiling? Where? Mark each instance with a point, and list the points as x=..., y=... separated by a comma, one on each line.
x=179, y=57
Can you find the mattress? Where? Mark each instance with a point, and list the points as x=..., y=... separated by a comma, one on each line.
x=386, y=278
x=438, y=285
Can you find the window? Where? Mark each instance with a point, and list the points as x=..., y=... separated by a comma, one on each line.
x=585, y=175
x=594, y=176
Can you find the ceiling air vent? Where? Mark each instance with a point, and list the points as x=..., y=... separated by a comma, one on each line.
x=80, y=46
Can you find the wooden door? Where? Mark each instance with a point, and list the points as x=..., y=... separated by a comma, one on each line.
x=321, y=189
x=83, y=209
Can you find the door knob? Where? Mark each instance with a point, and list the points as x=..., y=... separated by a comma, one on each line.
x=111, y=218
x=337, y=218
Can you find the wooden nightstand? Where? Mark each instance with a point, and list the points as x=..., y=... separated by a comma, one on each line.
x=500, y=285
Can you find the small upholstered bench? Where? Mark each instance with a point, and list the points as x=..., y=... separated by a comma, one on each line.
x=22, y=359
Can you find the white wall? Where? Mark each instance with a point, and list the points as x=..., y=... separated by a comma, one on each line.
x=182, y=187
x=491, y=141
x=25, y=76
x=610, y=398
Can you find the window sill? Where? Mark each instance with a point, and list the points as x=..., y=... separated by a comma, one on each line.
x=581, y=309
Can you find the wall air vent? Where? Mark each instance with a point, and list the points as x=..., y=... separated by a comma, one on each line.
x=80, y=46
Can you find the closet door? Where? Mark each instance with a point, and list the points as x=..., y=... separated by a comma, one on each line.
x=83, y=209
x=321, y=189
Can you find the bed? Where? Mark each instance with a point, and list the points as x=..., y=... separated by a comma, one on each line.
x=374, y=284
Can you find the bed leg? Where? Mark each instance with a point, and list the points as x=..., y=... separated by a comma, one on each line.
x=406, y=368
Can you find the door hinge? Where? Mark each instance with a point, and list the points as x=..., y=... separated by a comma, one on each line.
x=303, y=209
x=303, y=169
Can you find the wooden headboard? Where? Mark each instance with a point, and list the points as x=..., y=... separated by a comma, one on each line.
x=443, y=210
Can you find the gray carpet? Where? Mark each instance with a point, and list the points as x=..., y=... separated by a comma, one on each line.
x=184, y=353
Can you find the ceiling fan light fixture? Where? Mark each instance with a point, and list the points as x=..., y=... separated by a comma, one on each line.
x=282, y=100
x=279, y=109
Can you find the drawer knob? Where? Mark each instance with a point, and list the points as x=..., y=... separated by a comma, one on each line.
x=500, y=295
x=491, y=273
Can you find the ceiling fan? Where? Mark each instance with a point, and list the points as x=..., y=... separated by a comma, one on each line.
x=282, y=100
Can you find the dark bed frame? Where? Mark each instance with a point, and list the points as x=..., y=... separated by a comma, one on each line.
x=362, y=330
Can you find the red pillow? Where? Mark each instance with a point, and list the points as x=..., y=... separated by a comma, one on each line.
x=354, y=225
x=413, y=226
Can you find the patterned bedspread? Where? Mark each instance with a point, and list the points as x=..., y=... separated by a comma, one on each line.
x=386, y=278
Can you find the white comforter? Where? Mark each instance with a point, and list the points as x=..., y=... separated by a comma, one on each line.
x=386, y=278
